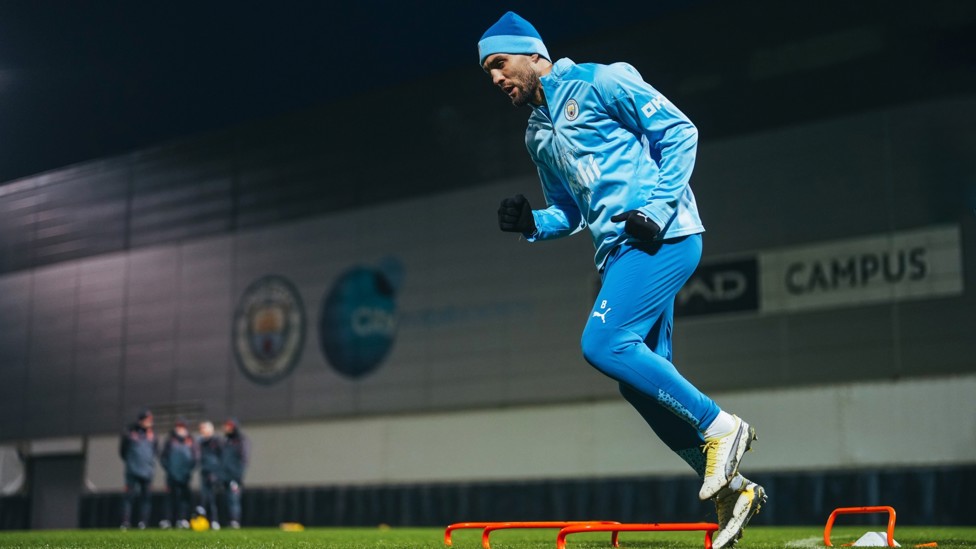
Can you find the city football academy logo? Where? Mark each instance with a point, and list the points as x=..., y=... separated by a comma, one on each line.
x=358, y=320
x=269, y=329
x=572, y=110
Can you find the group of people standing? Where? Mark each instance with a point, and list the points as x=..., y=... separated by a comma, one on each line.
x=222, y=462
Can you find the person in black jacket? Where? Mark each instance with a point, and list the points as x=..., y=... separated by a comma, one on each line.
x=209, y=449
x=234, y=460
x=138, y=449
x=179, y=459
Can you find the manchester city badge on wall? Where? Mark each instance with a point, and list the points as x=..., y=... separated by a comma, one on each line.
x=269, y=329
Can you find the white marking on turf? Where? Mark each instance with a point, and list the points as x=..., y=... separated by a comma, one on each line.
x=806, y=542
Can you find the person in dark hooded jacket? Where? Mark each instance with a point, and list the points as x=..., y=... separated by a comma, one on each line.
x=179, y=459
x=209, y=447
x=138, y=450
x=234, y=461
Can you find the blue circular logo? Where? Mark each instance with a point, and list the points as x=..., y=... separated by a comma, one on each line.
x=358, y=320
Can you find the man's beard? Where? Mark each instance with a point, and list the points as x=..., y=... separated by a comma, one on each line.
x=528, y=83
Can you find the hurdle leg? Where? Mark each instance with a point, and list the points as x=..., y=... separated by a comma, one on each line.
x=861, y=510
x=461, y=525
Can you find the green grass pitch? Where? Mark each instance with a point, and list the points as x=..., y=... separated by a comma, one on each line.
x=432, y=538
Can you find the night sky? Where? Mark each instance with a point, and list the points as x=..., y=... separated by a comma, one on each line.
x=87, y=79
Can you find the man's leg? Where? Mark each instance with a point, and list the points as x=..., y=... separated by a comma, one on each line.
x=208, y=498
x=169, y=506
x=636, y=302
x=187, y=502
x=127, y=500
x=679, y=435
x=144, y=501
x=233, y=490
x=735, y=504
x=639, y=288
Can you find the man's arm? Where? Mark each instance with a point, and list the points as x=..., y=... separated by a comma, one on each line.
x=672, y=138
x=561, y=217
x=245, y=451
x=123, y=444
x=164, y=456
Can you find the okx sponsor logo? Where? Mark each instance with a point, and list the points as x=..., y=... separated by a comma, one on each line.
x=358, y=319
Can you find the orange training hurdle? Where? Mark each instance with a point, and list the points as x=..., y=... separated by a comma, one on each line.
x=459, y=526
x=485, y=544
x=708, y=527
x=489, y=527
x=859, y=510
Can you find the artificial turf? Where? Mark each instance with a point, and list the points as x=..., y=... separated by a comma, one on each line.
x=422, y=538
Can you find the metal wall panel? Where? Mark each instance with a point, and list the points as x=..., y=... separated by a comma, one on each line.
x=181, y=191
x=202, y=359
x=484, y=318
x=931, y=169
x=829, y=346
x=16, y=234
x=732, y=352
x=53, y=322
x=937, y=336
x=15, y=302
x=73, y=213
x=152, y=289
x=99, y=341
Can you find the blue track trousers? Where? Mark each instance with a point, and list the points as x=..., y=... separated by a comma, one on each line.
x=628, y=337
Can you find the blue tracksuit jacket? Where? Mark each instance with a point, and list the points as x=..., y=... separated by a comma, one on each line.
x=605, y=143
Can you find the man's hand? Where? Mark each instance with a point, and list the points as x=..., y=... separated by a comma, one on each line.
x=637, y=224
x=515, y=216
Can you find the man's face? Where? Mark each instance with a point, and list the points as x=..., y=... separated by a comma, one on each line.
x=514, y=75
x=181, y=430
x=146, y=422
x=206, y=430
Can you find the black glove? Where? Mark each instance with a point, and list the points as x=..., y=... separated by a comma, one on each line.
x=515, y=216
x=638, y=225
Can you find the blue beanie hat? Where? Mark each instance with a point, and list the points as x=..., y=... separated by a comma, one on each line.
x=511, y=34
